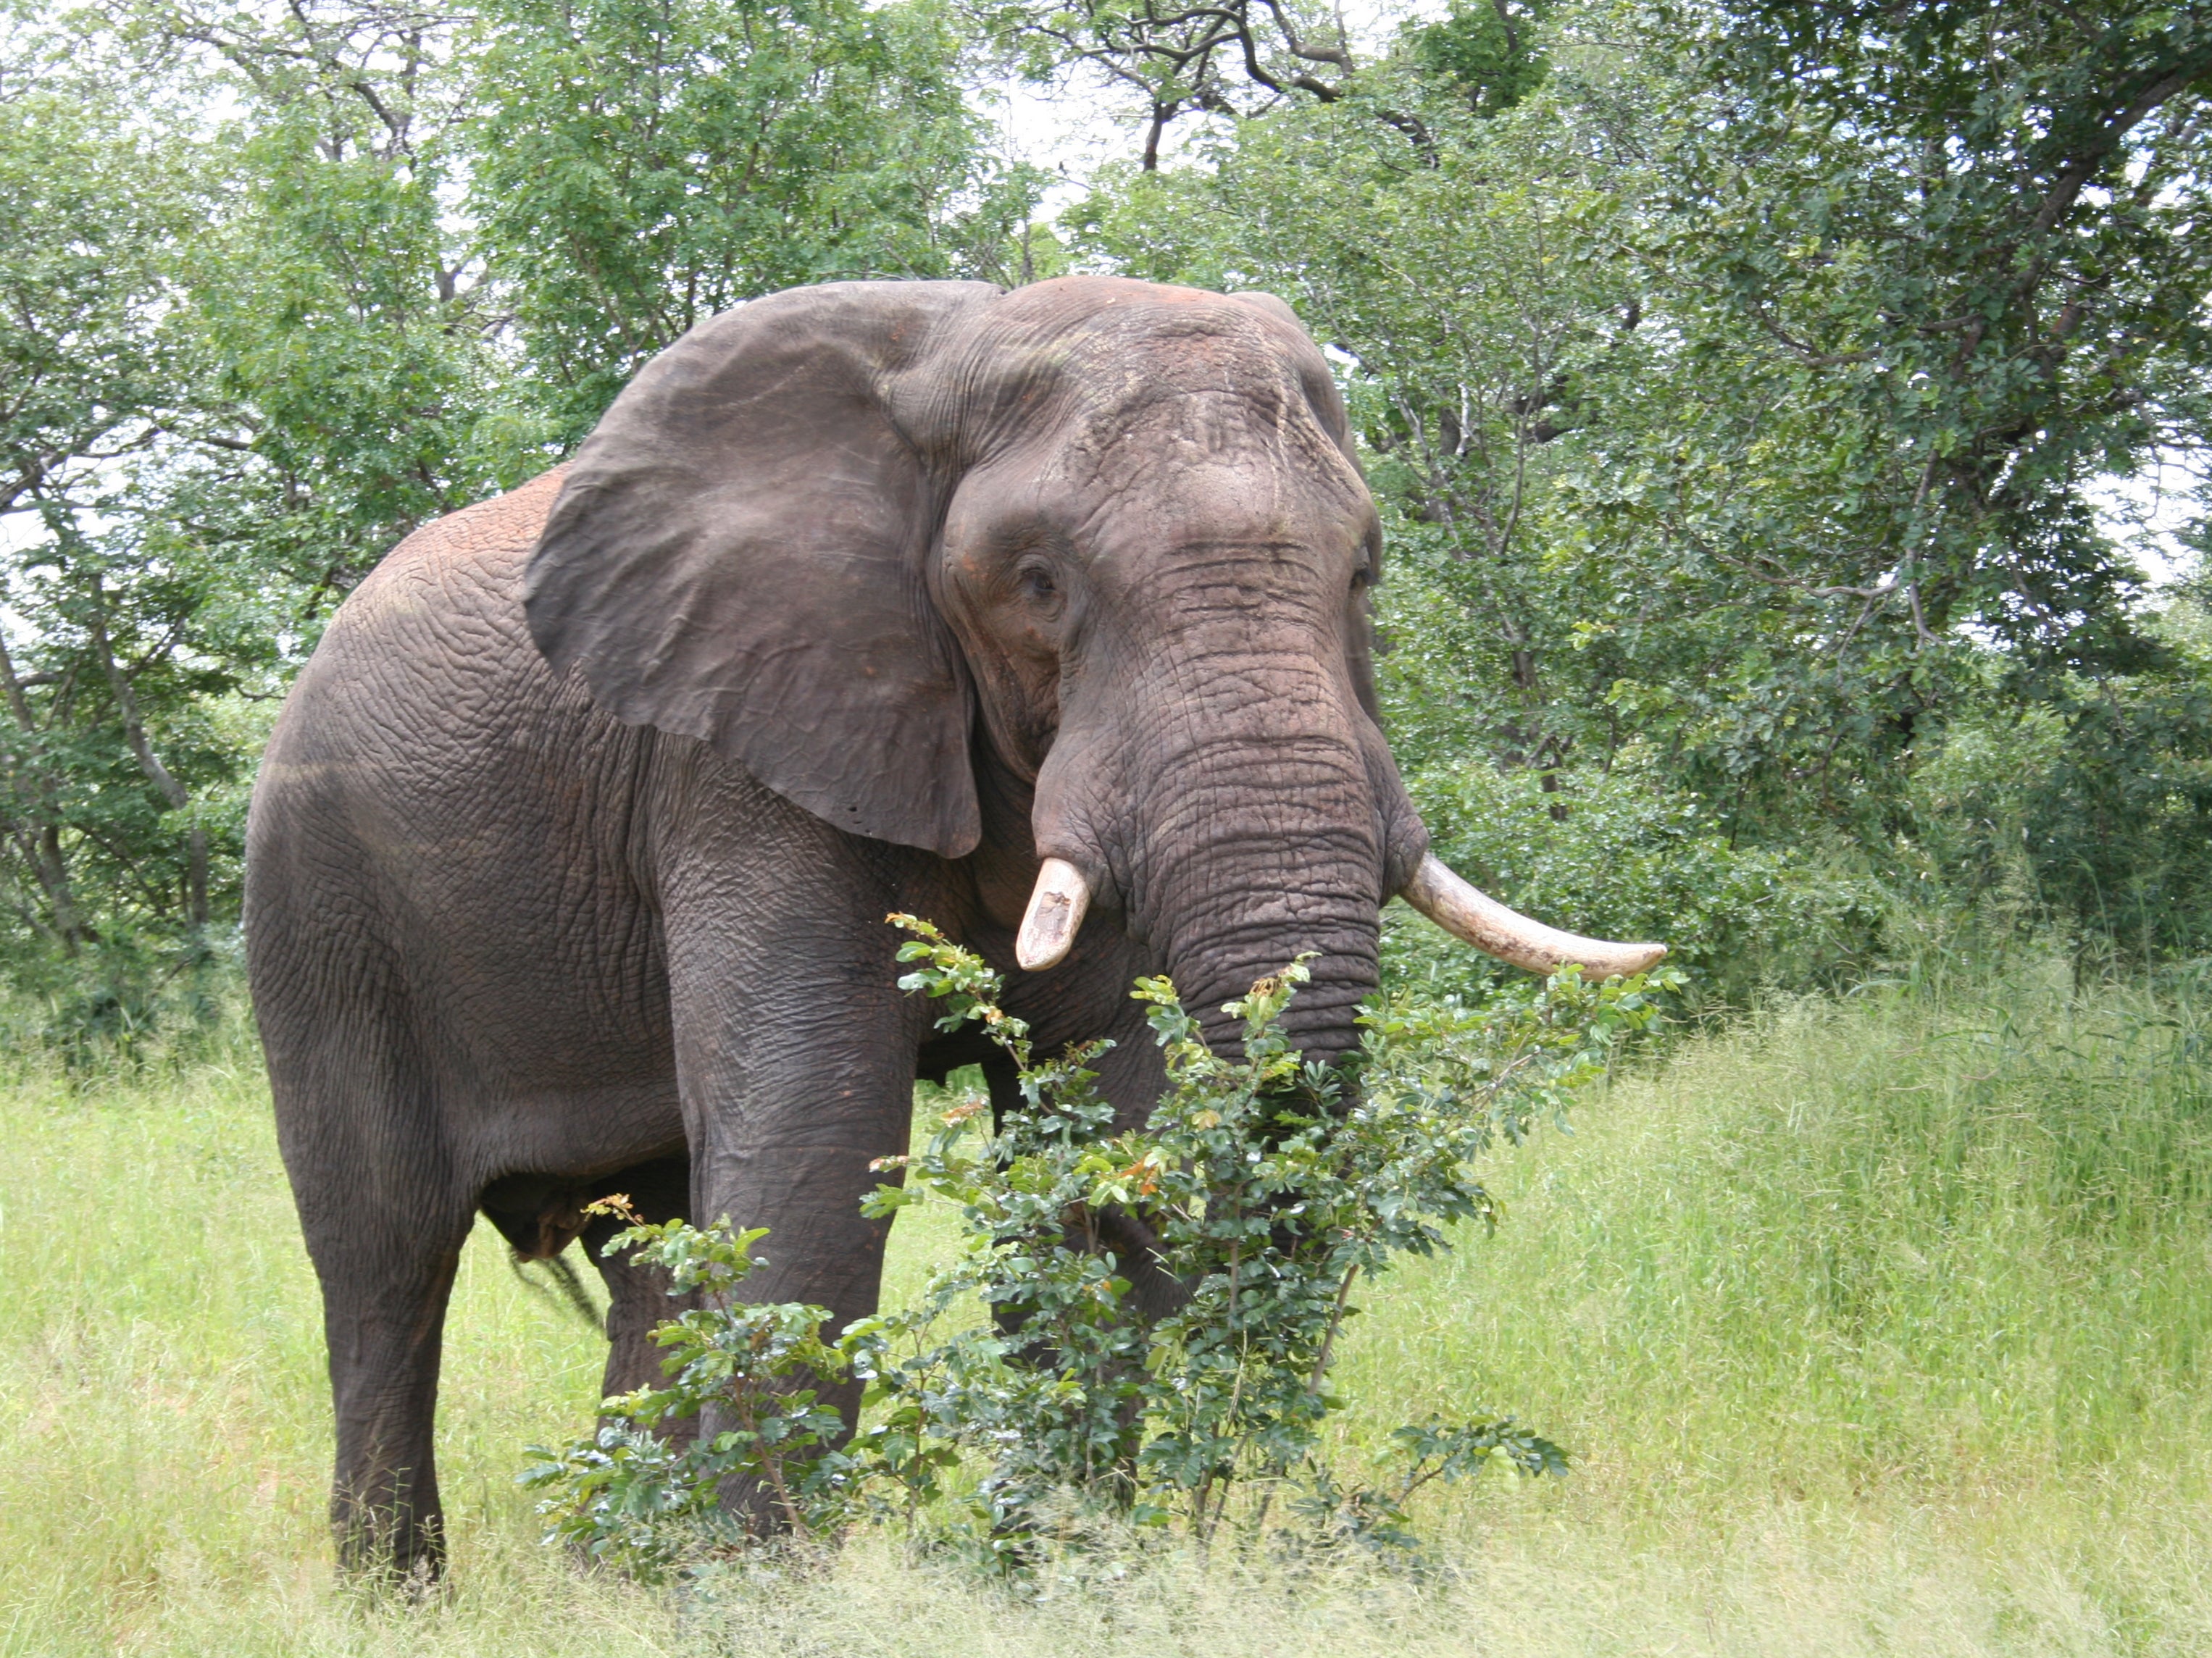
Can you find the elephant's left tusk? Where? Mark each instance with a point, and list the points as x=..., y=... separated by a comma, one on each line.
x=1054, y=915
x=1465, y=912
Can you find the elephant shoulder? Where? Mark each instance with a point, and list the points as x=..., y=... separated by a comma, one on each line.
x=505, y=524
x=425, y=674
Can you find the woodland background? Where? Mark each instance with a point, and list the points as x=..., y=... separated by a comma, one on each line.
x=1791, y=419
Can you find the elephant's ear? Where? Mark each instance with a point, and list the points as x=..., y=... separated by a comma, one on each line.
x=736, y=556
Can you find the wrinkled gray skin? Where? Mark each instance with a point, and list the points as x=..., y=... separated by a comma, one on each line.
x=569, y=860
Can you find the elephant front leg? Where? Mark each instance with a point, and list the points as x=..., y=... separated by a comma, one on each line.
x=796, y=1077
x=785, y=1138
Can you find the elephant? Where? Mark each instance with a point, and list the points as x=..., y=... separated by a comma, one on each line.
x=1042, y=612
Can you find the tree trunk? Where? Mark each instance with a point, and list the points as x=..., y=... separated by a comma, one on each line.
x=39, y=841
x=134, y=733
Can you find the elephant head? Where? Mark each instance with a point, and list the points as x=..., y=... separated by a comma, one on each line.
x=1107, y=537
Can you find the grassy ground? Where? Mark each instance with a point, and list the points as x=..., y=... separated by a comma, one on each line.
x=1879, y=1327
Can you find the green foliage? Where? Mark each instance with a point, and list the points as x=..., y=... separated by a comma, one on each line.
x=2090, y=814
x=1619, y=854
x=121, y=639
x=1746, y=383
x=636, y=168
x=1377, y=1519
x=1493, y=51
x=1164, y=1302
x=1739, y=381
x=252, y=375
x=1920, y=317
x=1265, y=1187
x=633, y=1499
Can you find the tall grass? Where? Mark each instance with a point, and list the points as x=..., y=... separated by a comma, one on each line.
x=1943, y=1246
x=1880, y=1326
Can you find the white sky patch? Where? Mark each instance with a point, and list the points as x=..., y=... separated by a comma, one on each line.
x=2149, y=513
x=1071, y=129
x=1067, y=135
x=21, y=531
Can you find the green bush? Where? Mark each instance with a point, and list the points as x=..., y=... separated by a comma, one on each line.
x=1627, y=856
x=126, y=1004
x=635, y=1499
x=1267, y=1187
x=2089, y=816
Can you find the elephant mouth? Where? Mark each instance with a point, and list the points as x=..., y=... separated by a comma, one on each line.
x=1061, y=896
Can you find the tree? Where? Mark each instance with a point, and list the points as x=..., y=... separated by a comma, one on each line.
x=1476, y=281
x=1933, y=272
x=635, y=168
x=92, y=367
x=1231, y=58
x=1741, y=375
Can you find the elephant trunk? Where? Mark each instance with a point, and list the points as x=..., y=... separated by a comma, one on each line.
x=1256, y=845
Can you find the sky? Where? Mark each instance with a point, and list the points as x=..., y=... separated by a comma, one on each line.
x=1070, y=131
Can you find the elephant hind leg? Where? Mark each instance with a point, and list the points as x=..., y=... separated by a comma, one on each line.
x=386, y=1290
x=540, y=1215
x=383, y=1214
x=638, y=1296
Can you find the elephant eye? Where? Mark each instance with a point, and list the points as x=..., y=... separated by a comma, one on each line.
x=1037, y=583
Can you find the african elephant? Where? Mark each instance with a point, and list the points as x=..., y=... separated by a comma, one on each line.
x=569, y=861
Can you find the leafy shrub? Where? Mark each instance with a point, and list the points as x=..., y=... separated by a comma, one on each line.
x=635, y=1499
x=2119, y=826
x=1263, y=1190
x=128, y=1002
x=2090, y=815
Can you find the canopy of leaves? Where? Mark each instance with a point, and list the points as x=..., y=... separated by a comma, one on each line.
x=635, y=168
x=1750, y=382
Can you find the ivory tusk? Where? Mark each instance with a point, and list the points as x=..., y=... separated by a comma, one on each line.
x=1465, y=913
x=1054, y=915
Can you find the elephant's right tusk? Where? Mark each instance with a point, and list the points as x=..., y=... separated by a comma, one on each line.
x=1054, y=915
x=1465, y=913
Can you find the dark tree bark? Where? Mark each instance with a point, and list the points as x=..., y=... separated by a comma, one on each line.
x=134, y=731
